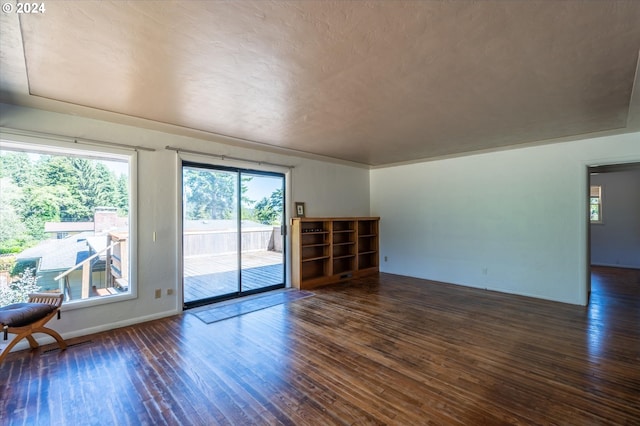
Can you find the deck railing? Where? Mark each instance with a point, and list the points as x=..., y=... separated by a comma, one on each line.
x=86, y=272
x=208, y=243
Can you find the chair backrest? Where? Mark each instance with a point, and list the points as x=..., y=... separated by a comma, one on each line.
x=48, y=298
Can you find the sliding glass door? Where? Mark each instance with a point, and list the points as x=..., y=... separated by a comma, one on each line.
x=232, y=239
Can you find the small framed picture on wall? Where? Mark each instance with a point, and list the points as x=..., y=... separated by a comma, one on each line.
x=299, y=209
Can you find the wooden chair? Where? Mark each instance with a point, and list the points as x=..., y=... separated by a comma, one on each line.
x=24, y=319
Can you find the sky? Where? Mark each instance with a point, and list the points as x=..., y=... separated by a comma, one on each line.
x=263, y=186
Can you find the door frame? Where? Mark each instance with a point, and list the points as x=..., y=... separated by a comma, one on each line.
x=603, y=167
x=285, y=251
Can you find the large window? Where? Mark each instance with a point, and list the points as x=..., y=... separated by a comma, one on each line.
x=64, y=221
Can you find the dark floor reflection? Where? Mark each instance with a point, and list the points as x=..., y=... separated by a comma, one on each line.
x=613, y=306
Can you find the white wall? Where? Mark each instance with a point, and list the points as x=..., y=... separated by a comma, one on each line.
x=513, y=221
x=326, y=188
x=616, y=241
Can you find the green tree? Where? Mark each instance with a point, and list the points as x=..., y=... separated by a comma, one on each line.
x=18, y=291
x=269, y=210
x=89, y=184
x=17, y=166
x=68, y=181
x=83, y=188
x=208, y=195
x=122, y=195
x=52, y=188
x=106, y=187
x=71, y=208
x=12, y=230
x=37, y=206
x=59, y=171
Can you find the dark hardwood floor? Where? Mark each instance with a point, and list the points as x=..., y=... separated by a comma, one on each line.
x=380, y=350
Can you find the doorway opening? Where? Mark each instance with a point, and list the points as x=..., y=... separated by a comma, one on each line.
x=233, y=242
x=613, y=240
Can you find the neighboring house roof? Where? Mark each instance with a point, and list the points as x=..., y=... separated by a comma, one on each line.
x=68, y=226
x=98, y=243
x=60, y=255
x=102, y=221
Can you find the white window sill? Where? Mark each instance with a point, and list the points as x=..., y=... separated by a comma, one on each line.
x=96, y=301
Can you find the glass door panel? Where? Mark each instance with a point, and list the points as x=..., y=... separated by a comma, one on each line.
x=210, y=233
x=262, y=242
x=232, y=240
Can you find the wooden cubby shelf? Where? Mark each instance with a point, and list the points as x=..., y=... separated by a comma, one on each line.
x=329, y=250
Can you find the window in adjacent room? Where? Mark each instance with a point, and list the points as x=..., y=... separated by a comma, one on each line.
x=65, y=221
x=595, y=204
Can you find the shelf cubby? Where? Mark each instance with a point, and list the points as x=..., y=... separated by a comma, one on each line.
x=329, y=250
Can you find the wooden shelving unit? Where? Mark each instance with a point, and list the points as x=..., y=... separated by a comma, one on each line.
x=329, y=250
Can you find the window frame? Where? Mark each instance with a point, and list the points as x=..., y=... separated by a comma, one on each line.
x=599, y=221
x=53, y=146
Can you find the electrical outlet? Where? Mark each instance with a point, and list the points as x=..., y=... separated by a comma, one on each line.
x=158, y=293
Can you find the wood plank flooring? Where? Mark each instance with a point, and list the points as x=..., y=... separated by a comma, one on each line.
x=380, y=350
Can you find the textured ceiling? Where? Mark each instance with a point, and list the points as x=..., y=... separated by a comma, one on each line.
x=374, y=82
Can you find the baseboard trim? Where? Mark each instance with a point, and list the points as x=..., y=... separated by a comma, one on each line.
x=609, y=265
x=43, y=339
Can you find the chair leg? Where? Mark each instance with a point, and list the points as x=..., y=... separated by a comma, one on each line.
x=13, y=342
x=32, y=342
x=61, y=343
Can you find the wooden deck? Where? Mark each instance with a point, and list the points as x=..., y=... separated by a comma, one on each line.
x=208, y=276
x=384, y=349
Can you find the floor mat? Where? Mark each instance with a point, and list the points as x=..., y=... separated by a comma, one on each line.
x=219, y=313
